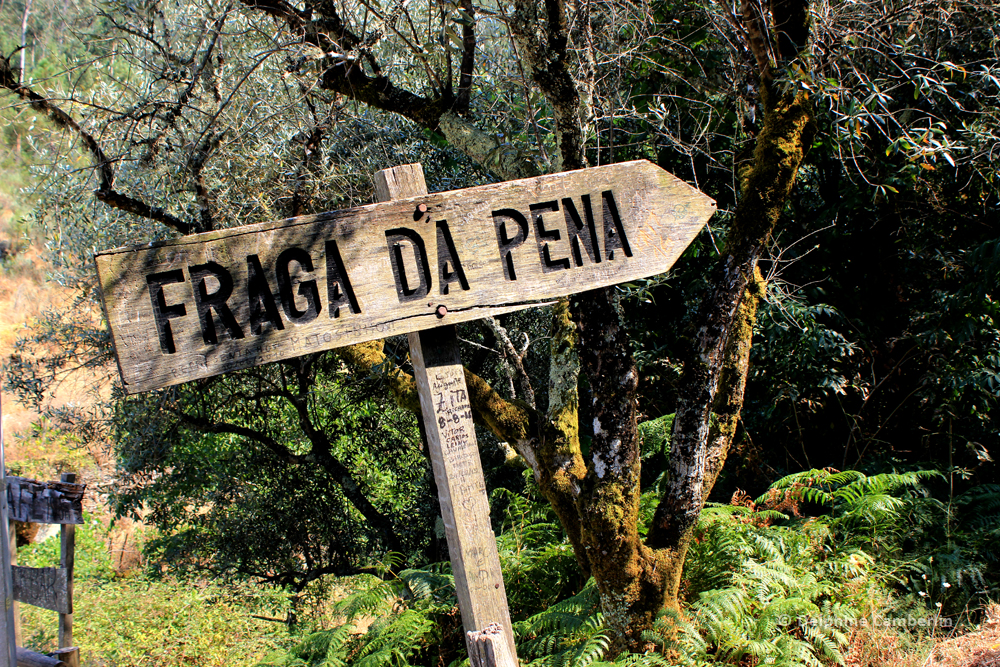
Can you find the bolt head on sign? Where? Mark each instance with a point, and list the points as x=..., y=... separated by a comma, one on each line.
x=209, y=303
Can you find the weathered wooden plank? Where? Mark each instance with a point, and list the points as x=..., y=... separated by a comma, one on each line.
x=45, y=502
x=215, y=302
x=465, y=509
x=27, y=658
x=451, y=439
x=45, y=587
x=488, y=648
x=12, y=533
x=70, y=656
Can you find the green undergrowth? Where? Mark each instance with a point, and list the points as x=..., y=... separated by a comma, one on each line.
x=805, y=574
x=144, y=621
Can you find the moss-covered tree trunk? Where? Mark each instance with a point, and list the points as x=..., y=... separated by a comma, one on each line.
x=636, y=579
x=716, y=366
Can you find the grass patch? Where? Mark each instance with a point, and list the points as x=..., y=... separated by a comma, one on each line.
x=147, y=621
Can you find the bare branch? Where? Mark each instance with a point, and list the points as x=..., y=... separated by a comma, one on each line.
x=105, y=192
x=515, y=359
x=468, y=57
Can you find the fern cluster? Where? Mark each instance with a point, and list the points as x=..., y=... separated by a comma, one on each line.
x=405, y=617
x=768, y=594
x=569, y=632
x=777, y=580
x=939, y=548
x=539, y=567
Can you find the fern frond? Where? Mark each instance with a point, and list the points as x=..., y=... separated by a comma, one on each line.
x=391, y=640
x=372, y=597
x=434, y=587
x=566, y=616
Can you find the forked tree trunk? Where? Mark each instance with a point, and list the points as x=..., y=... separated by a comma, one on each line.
x=638, y=579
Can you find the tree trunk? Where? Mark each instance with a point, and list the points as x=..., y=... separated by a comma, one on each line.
x=23, y=77
x=715, y=370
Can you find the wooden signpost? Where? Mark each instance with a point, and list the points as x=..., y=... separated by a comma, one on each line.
x=415, y=263
x=210, y=303
x=458, y=471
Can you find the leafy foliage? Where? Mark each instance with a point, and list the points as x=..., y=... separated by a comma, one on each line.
x=240, y=488
x=538, y=564
x=403, y=615
x=761, y=586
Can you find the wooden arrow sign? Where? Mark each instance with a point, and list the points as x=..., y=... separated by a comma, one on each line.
x=216, y=302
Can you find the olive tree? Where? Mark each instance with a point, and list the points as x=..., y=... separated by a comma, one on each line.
x=212, y=115
x=203, y=115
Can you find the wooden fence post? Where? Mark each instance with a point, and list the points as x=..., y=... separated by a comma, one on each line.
x=67, y=556
x=26, y=658
x=451, y=437
x=12, y=533
x=8, y=654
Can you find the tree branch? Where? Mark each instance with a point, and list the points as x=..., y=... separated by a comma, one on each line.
x=437, y=114
x=207, y=426
x=732, y=383
x=320, y=455
x=545, y=44
x=174, y=112
x=561, y=468
x=515, y=359
x=311, y=154
x=196, y=164
x=757, y=34
x=468, y=58
x=785, y=137
x=105, y=192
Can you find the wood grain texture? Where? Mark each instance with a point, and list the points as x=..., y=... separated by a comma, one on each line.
x=12, y=535
x=270, y=291
x=45, y=502
x=27, y=658
x=451, y=438
x=70, y=656
x=67, y=561
x=465, y=509
x=488, y=648
x=45, y=587
x=401, y=182
x=8, y=641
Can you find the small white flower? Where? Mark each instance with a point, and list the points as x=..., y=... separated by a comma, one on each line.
x=937, y=604
x=924, y=576
x=923, y=594
x=946, y=585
